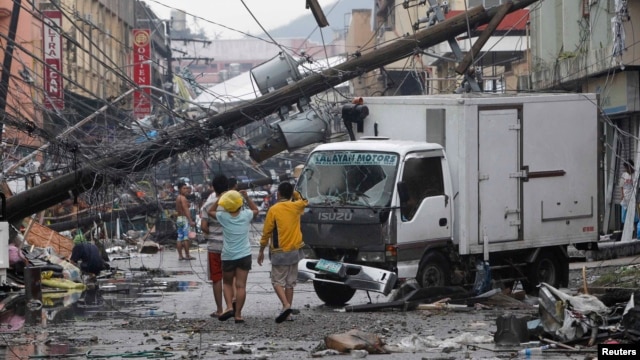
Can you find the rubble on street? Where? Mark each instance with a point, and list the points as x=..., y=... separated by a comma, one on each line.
x=149, y=295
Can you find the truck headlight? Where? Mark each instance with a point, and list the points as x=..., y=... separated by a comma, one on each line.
x=372, y=256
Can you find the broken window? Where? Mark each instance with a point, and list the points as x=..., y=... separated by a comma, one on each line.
x=349, y=178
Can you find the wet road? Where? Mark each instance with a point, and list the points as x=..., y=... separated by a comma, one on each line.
x=160, y=304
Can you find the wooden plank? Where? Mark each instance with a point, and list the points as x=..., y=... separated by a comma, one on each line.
x=41, y=236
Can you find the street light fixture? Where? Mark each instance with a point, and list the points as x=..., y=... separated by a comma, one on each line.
x=293, y=131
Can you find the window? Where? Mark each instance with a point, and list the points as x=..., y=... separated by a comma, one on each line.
x=423, y=178
x=354, y=178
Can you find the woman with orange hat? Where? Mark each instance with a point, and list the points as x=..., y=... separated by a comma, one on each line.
x=236, y=249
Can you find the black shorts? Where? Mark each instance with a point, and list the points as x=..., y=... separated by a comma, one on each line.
x=242, y=263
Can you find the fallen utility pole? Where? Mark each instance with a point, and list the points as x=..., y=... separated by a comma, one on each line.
x=105, y=216
x=62, y=135
x=188, y=136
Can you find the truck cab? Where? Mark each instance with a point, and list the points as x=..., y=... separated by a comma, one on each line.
x=375, y=203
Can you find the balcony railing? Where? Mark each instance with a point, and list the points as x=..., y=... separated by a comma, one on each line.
x=570, y=69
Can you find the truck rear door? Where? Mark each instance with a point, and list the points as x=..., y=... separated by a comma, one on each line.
x=498, y=176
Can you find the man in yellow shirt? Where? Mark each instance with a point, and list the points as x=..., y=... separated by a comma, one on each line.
x=282, y=233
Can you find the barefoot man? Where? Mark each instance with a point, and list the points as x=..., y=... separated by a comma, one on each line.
x=184, y=221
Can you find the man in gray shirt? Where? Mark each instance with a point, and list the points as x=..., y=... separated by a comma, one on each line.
x=213, y=233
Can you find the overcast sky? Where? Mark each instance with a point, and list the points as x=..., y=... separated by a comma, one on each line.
x=233, y=14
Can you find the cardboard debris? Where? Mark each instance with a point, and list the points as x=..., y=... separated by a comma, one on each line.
x=355, y=340
x=43, y=237
x=148, y=247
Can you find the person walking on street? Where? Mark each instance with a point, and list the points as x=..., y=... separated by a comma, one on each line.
x=236, y=249
x=282, y=233
x=184, y=222
x=213, y=233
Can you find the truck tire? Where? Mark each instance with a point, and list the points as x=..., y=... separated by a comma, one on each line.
x=333, y=294
x=546, y=268
x=433, y=271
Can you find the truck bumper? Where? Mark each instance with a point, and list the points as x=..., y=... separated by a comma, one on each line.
x=357, y=277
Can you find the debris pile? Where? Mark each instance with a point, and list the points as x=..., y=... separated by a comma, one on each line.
x=557, y=320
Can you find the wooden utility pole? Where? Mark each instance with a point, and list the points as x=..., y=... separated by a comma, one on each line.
x=193, y=134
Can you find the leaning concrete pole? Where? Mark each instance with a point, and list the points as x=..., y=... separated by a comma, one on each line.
x=188, y=136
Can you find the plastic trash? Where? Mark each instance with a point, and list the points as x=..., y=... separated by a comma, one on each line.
x=536, y=350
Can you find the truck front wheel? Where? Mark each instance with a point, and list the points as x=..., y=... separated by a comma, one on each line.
x=546, y=268
x=433, y=271
x=333, y=294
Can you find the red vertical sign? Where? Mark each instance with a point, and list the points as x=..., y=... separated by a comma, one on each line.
x=142, y=72
x=52, y=51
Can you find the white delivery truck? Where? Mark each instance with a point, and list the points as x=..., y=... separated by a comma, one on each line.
x=439, y=188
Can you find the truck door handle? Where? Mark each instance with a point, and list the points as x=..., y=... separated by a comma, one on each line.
x=442, y=222
x=508, y=211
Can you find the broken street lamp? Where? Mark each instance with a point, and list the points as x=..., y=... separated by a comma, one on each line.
x=276, y=73
x=299, y=130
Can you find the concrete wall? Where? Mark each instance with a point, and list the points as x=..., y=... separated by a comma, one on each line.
x=361, y=38
x=570, y=41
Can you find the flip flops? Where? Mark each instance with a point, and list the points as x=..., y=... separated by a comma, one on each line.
x=226, y=315
x=283, y=315
x=190, y=258
x=239, y=321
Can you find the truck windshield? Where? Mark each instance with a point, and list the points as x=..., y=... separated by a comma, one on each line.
x=360, y=178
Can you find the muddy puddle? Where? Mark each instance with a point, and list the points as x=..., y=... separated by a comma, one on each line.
x=35, y=321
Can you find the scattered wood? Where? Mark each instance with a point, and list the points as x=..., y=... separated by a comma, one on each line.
x=444, y=306
x=559, y=344
x=505, y=301
x=42, y=237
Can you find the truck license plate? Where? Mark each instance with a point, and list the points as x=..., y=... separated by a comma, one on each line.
x=330, y=267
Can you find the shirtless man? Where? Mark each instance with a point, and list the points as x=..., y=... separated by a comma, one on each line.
x=184, y=221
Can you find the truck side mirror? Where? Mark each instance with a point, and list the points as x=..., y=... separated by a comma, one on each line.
x=403, y=192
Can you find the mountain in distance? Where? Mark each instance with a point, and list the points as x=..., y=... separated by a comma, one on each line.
x=338, y=15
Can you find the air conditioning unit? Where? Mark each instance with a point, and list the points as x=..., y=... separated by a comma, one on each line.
x=523, y=83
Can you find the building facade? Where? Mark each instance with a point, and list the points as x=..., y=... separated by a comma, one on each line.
x=19, y=103
x=589, y=46
x=70, y=59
